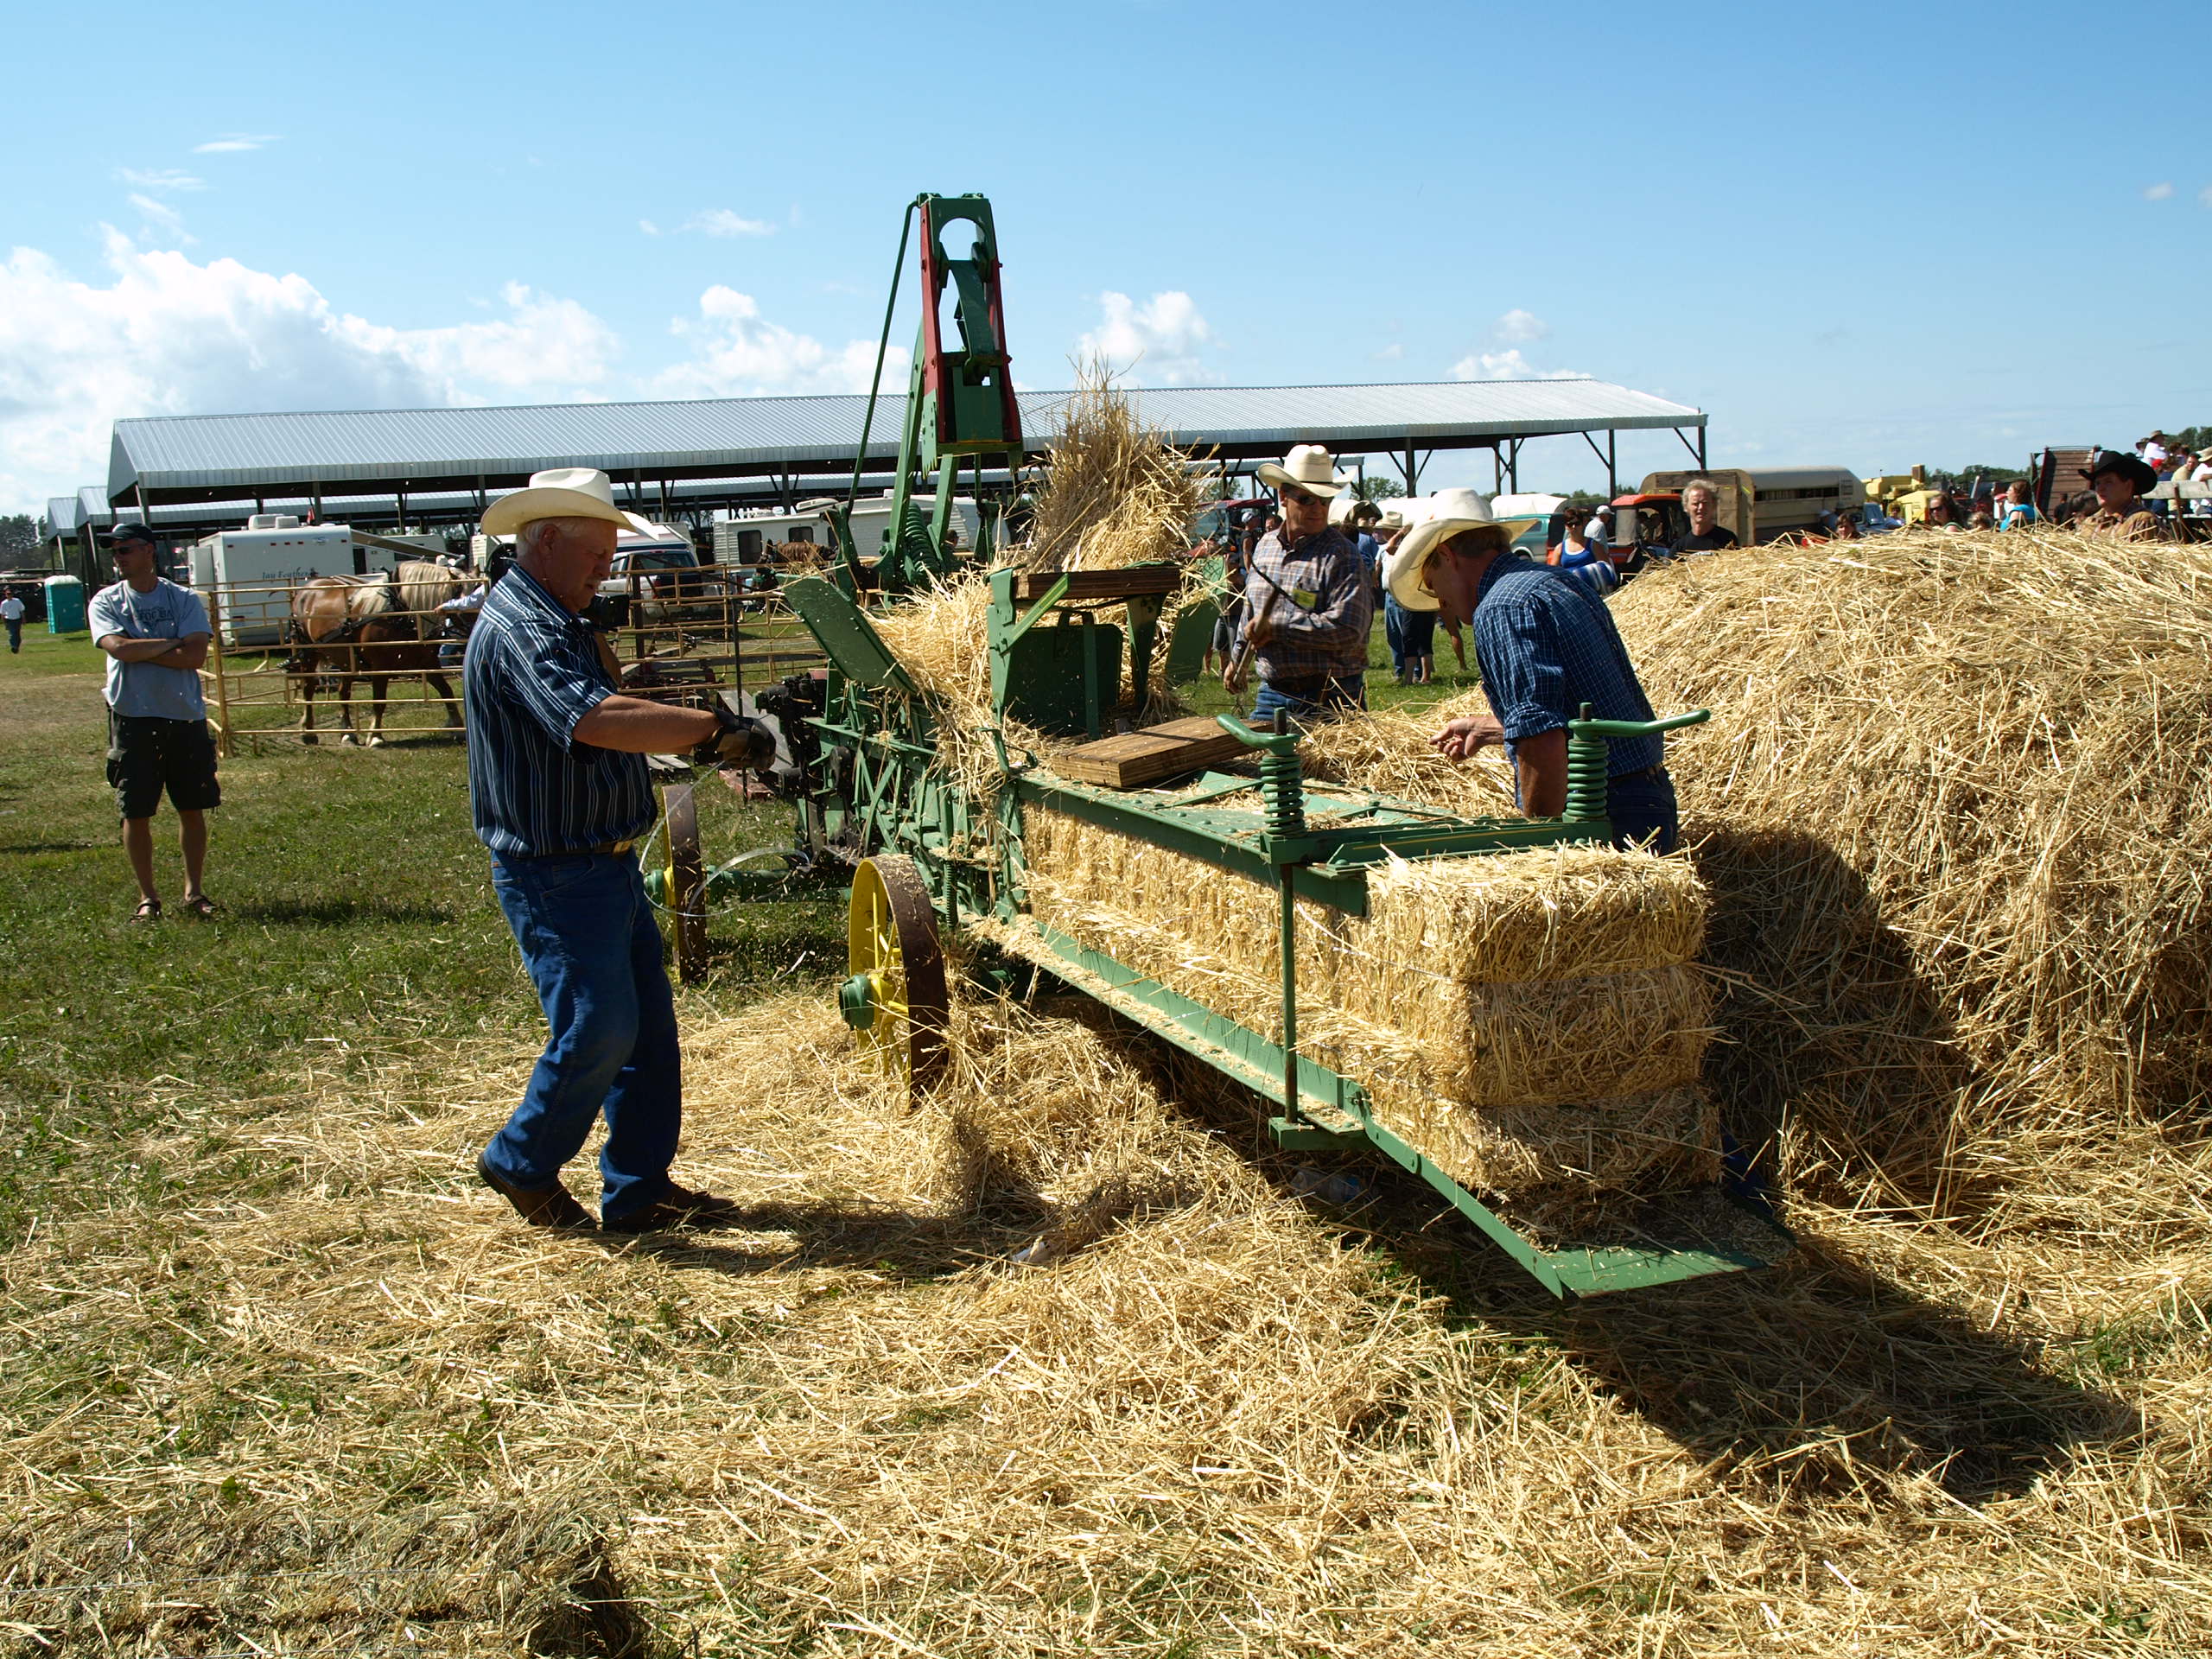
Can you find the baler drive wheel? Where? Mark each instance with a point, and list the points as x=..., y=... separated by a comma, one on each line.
x=895, y=998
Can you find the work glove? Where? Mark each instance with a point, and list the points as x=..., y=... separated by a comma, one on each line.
x=742, y=744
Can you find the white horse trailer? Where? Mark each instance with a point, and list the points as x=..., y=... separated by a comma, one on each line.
x=252, y=570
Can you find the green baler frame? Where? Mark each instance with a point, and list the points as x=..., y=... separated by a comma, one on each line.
x=889, y=795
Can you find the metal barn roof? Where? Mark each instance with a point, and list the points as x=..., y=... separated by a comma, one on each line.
x=210, y=457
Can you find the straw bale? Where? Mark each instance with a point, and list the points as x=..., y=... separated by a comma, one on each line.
x=1953, y=806
x=1507, y=983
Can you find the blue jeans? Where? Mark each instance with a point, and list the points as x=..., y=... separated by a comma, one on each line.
x=593, y=951
x=1350, y=692
x=1642, y=811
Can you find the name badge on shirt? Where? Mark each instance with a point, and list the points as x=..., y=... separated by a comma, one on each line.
x=1304, y=598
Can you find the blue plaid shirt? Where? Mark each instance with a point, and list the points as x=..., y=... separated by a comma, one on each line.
x=532, y=671
x=1315, y=595
x=1547, y=646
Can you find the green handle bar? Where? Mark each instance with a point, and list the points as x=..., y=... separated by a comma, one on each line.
x=1272, y=742
x=1636, y=727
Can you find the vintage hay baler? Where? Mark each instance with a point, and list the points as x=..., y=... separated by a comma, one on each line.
x=930, y=848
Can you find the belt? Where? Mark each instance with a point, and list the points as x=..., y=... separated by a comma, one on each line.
x=604, y=849
x=1657, y=769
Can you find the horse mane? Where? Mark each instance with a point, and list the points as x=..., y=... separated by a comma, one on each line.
x=420, y=585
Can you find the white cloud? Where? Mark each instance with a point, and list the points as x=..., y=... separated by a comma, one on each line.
x=1520, y=327
x=168, y=335
x=543, y=342
x=736, y=353
x=649, y=227
x=1158, y=340
x=2204, y=197
x=2157, y=191
x=721, y=221
x=1391, y=352
x=160, y=178
x=230, y=142
x=1507, y=366
x=162, y=219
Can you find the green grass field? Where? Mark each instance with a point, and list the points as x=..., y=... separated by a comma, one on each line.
x=358, y=921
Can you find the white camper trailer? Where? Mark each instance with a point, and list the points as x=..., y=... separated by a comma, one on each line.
x=253, y=570
x=741, y=538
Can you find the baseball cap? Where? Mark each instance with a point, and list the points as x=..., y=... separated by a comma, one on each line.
x=126, y=532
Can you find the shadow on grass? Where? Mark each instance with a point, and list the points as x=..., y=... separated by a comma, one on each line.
x=340, y=913
x=1818, y=1375
x=56, y=847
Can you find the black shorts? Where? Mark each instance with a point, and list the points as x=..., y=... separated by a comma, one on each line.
x=146, y=755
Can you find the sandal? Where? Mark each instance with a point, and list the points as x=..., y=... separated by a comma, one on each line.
x=150, y=909
x=201, y=905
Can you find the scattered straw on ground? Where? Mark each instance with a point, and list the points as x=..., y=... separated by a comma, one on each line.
x=343, y=1404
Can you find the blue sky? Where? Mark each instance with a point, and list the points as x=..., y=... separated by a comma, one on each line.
x=1866, y=235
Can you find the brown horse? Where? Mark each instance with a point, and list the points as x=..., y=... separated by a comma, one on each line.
x=346, y=628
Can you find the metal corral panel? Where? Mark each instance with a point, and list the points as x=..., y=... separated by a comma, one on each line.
x=407, y=448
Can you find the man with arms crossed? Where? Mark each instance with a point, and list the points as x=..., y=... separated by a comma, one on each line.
x=557, y=780
x=1545, y=644
x=155, y=634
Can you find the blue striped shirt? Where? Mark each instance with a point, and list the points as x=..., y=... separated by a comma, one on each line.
x=532, y=671
x=1546, y=645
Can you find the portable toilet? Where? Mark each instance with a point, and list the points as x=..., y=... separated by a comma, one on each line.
x=65, y=604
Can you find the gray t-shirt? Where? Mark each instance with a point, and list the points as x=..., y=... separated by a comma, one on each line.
x=168, y=612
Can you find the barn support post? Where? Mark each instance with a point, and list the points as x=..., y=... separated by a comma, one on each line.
x=1613, y=468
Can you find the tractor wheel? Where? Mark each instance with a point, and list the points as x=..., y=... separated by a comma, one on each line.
x=895, y=999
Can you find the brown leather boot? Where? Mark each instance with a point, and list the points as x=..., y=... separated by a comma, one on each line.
x=546, y=1206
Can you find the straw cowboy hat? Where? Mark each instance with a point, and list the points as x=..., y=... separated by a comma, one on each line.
x=561, y=492
x=1309, y=467
x=1450, y=512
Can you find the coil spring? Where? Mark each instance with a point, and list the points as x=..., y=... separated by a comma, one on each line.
x=1587, y=760
x=1282, y=783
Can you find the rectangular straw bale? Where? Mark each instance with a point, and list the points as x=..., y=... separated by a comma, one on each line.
x=1568, y=1084
x=1552, y=912
x=1549, y=1169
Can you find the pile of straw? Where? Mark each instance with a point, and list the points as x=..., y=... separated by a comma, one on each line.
x=307, y=1388
x=1955, y=805
x=1117, y=492
x=1531, y=1019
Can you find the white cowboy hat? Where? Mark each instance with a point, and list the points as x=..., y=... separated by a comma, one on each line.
x=1341, y=509
x=1401, y=511
x=1308, y=467
x=1449, y=512
x=561, y=492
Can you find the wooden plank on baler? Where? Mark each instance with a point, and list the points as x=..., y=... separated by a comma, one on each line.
x=1157, y=752
x=1132, y=582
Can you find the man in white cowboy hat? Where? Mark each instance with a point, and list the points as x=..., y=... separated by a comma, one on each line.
x=557, y=781
x=1308, y=607
x=1545, y=646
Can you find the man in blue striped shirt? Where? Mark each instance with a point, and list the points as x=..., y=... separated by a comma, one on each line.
x=1547, y=646
x=557, y=780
